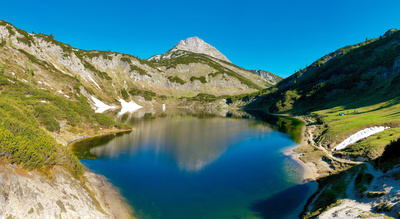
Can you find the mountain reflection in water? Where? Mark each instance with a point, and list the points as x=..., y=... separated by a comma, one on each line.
x=191, y=142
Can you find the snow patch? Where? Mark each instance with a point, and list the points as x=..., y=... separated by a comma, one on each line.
x=101, y=107
x=359, y=135
x=128, y=107
x=60, y=91
x=94, y=82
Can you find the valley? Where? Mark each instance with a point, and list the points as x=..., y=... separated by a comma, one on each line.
x=52, y=94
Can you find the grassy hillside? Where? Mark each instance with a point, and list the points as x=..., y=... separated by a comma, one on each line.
x=30, y=116
x=362, y=81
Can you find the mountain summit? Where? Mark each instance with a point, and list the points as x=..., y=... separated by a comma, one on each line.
x=197, y=45
x=193, y=44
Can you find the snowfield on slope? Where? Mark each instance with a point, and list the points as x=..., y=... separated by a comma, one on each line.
x=359, y=135
x=100, y=106
x=128, y=107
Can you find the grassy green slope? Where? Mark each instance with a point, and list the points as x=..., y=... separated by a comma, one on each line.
x=362, y=81
x=29, y=116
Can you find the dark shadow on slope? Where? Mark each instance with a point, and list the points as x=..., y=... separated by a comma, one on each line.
x=283, y=204
x=364, y=75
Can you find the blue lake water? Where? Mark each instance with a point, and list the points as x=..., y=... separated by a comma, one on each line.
x=188, y=165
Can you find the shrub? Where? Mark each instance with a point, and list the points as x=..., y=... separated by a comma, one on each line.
x=213, y=75
x=148, y=95
x=135, y=92
x=383, y=206
x=125, y=94
x=101, y=74
x=10, y=30
x=362, y=180
x=176, y=79
x=328, y=197
x=123, y=126
x=375, y=194
x=1, y=68
x=3, y=42
x=139, y=70
x=202, y=79
x=392, y=151
x=104, y=121
x=126, y=59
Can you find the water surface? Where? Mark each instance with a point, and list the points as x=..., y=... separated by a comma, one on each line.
x=200, y=165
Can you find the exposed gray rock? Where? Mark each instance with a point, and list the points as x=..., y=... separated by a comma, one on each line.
x=192, y=44
x=25, y=194
x=270, y=77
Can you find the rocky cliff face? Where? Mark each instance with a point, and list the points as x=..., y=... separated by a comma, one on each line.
x=29, y=194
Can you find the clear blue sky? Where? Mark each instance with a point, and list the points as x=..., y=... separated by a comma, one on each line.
x=279, y=36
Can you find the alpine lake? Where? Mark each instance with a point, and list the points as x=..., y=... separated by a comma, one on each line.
x=188, y=164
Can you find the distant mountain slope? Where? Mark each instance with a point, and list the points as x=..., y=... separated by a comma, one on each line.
x=108, y=76
x=358, y=72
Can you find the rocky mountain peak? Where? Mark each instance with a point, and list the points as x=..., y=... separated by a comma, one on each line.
x=197, y=45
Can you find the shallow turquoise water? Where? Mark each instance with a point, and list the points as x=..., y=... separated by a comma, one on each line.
x=188, y=166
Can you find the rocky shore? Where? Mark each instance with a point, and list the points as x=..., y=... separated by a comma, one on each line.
x=57, y=194
x=54, y=192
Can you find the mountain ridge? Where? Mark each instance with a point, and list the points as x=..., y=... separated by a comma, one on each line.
x=112, y=75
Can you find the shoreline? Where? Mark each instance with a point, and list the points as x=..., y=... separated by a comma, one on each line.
x=108, y=193
x=107, y=133
x=308, y=174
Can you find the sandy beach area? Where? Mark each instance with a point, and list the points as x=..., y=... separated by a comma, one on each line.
x=308, y=174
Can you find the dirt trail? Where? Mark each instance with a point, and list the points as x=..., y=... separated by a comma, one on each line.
x=311, y=141
x=356, y=205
